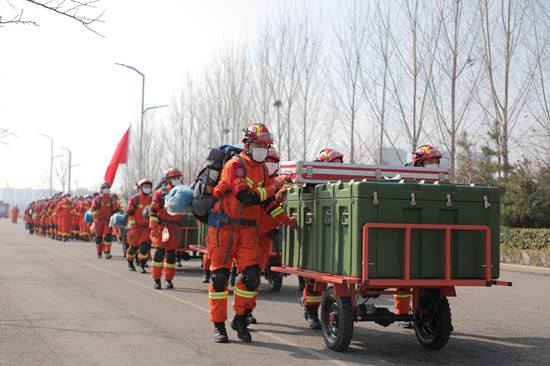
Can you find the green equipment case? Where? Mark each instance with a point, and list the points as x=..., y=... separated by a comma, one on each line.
x=331, y=240
x=190, y=235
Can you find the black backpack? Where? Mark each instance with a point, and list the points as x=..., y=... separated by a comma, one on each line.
x=208, y=178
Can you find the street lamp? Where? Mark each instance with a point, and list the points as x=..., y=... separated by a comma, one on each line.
x=69, y=187
x=142, y=111
x=51, y=161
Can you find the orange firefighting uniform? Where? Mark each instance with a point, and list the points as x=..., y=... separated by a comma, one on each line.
x=266, y=225
x=83, y=207
x=64, y=211
x=165, y=243
x=139, y=228
x=238, y=240
x=102, y=213
x=14, y=214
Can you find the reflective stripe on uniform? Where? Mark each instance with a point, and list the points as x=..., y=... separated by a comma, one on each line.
x=169, y=265
x=243, y=293
x=277, y=211
x=154, y=218
x=402, y=295
x=313, y=299
x=132, y=222
x=263, y=194
x=142, y=256
x=158, y=264
x=217, y=295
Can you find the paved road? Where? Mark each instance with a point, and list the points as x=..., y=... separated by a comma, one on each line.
x=59, y=305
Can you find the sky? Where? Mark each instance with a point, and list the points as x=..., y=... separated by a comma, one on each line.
x=60, y=79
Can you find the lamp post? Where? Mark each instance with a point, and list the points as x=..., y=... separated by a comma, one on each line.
x=51, y=161
x=142, y=111
x=69, y=186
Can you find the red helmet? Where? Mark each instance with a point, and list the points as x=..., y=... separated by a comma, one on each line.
x=272, y=153
x=328, y=155
x=145, y=181
x=258, y=132
x=172, y=173
x=425, y=152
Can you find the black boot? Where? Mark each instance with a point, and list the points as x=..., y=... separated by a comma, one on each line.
x=108, y=255
x=168, y=284
x=131, y=266
x=239, y=324
x=220, y=334
x=156, y=284
x=250, y=319
x=142, y=264
x=313, y=316
x=206, y=277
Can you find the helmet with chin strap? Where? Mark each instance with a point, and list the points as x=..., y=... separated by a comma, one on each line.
x=258, y=132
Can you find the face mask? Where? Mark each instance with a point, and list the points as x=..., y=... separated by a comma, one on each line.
x=432, y=166
x=146, y=191
x=175, y=182
x=259, y=154
x=106, y=191
x=271, y=167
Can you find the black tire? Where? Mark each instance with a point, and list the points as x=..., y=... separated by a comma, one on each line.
x=434, y=327
x=336, y=320
x=274, y=281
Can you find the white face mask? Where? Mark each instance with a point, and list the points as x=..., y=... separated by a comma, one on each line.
x=259, y=154
x=175, y=182
x=432, y=166
x=271, y=167
x=106, y=191
x=146, y=191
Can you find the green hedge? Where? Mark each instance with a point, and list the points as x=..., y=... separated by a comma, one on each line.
x=530, y=239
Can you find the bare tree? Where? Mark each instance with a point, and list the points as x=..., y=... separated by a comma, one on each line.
x=455, y=76
x=507, y=69
x=375, y=80
x=83, y=12
x=352, y=39
x=412, y=75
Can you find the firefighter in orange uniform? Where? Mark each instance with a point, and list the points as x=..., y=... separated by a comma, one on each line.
x=63, y=211
x=84, y=227
x=267, y=224
x=140, y=242
x=312, y=299
x=242, y=191
x=165, y=232
x=425, y=156
x=103, y=208
x=14, y=214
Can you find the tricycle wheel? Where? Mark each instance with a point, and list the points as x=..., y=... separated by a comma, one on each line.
x=274, y=281
x=434, y=327
x=336, y=320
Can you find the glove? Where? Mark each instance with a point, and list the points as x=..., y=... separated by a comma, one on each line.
x=280, y=181
x=291, y=221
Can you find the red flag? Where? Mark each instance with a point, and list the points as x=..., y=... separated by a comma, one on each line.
x=119, y=157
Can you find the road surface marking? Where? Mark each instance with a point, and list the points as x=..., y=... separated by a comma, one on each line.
x=313, y=353
x=533, y=311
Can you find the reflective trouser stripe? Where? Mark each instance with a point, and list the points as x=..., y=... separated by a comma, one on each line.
x=313, y=299
x=243, y=293
x=169, y=265
x=142, y=256
x=158, y=264
x=402, y=295
x=218, y=295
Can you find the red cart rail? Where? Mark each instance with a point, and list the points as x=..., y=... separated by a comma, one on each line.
x=430, y=310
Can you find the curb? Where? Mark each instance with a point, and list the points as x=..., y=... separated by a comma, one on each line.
x=525, y=269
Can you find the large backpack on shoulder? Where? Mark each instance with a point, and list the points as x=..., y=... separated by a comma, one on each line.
x=208, y=178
